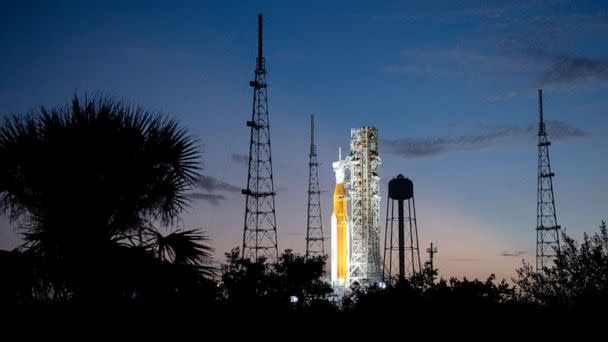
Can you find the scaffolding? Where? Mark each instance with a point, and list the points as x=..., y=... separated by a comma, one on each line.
x=364, y=192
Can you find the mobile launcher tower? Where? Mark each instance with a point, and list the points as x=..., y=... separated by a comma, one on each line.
x=355, y=250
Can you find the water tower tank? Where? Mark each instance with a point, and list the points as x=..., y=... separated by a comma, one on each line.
x=400, y=188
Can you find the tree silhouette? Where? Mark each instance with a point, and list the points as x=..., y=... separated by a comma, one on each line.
x=86, y=182
x=293, y=281
x=187, y=247
x=579, y=276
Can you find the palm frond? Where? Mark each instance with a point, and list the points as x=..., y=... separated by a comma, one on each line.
x=189, y=247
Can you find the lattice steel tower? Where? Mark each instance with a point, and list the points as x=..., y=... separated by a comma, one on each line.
x=315, y=244
x=260, y=232
x=547, y=229
x=364, y=163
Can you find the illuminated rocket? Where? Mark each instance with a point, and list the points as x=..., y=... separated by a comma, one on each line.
x=340, y=230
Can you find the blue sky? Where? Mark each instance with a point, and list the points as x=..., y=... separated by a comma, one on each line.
x=451, y=87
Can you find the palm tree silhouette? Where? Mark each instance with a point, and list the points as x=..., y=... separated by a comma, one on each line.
x=86, y=182
x=187, y=247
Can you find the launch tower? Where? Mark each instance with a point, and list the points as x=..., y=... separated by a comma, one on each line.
x=364, y=164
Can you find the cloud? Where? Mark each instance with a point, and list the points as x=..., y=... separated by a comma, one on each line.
x=559, y=130
x=214, y=199
x=533, y=66
x=564, y=68
x=512, y=253
x=426, y=147
x=553, y=69
x=570, y=69
x=213, y=184
x=240, y=158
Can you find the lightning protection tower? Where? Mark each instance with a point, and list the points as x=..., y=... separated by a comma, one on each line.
x=401, y=250
x=260, y=232
x=315, y=244
x=547, y=229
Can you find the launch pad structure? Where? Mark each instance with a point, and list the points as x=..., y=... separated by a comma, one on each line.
x=356, y=241
x=365, y=206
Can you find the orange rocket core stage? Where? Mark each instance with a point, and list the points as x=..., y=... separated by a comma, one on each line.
x=340, y=210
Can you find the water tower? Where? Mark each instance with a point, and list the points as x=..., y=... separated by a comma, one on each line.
x=401, y=253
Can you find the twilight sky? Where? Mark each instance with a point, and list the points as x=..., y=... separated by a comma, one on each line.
x=451, y=87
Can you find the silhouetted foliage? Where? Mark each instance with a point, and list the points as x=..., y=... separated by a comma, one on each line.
x=414, y=293
x=86, y=183
x=578, y=277
x=292, y=282
x=187, y=247
x=18, y=276
x=426, y=278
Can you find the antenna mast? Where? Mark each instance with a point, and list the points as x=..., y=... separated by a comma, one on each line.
x=547, y=229
x=315, y=243
x=260, y=231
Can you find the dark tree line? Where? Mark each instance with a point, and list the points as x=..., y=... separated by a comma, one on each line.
x=91, y=185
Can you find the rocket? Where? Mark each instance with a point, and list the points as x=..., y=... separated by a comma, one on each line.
x=340, y=233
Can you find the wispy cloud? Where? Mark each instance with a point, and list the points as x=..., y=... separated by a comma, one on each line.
x=530, y=67
x=489, y=136
x=239, y=158
x=214, y=199
x=565, y=68
x=512, y=253
x=213, y=184
x=552, y=70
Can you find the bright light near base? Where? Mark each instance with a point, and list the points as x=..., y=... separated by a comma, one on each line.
x=382, y=285
x=294, y=299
